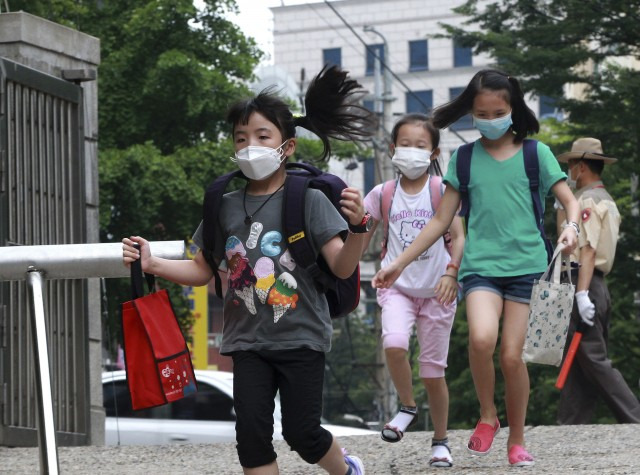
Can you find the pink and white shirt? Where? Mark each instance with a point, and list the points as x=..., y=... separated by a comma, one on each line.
x=408, y=215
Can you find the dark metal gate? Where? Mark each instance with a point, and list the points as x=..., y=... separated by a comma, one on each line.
x=42, y=193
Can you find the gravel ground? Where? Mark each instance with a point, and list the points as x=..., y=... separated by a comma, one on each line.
x=592, y=449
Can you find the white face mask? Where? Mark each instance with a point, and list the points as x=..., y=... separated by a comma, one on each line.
x=573, y=183
x=259, y=163
x=411, y=161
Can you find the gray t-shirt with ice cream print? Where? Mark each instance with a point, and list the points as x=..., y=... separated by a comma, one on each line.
x=271, y=303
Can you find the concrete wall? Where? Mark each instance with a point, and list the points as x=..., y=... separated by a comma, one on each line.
x=53, y=49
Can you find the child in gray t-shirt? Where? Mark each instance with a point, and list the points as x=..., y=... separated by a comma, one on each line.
x=277, y=326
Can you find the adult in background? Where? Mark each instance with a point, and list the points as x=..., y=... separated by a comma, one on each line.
x=592, y=373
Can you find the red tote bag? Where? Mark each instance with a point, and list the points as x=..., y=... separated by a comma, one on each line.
x=157, y=358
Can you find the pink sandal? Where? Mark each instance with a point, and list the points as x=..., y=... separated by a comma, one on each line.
x=482, y=438
x=519, y=457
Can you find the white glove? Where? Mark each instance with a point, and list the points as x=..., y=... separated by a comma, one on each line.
x=585, y=307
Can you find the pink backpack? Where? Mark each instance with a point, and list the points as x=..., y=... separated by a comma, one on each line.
x=386, y=200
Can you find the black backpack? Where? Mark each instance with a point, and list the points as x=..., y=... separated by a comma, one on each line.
x=343, y=295
x=532, y=168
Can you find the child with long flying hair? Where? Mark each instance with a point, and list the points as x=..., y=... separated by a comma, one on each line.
x=504, y=251
x=278, y=343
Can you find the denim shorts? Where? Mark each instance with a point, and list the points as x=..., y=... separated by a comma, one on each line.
x=516, y=288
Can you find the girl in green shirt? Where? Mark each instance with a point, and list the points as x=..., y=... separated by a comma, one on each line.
x=504, y=251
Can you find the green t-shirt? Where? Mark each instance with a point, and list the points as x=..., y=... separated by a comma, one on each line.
x=502, y=237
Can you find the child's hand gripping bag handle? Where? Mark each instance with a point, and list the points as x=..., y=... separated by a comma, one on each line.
x=556, y=264
x=571, y=352
x=137, y=290
x=157, y=359
x=549, y=314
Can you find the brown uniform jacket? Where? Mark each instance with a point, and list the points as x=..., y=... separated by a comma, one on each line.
x=599, y=225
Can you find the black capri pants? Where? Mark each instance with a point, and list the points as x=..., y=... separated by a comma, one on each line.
x=299, y=376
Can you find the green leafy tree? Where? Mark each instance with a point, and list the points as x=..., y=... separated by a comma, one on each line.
x=168, y=70
x=591, y=46
x=167, y=75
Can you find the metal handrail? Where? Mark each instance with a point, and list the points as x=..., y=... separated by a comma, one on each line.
x=76, y=261
x=34, y=264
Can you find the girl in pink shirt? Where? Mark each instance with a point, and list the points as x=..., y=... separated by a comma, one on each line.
x=425, y=294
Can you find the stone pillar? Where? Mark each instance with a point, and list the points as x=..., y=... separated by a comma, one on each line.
x=74, y=56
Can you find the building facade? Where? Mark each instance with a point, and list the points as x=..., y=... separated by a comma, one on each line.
x=427, y=71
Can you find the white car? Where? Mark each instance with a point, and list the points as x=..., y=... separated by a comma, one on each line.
x=201, y=418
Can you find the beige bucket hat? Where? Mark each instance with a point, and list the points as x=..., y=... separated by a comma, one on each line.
x=586, y=148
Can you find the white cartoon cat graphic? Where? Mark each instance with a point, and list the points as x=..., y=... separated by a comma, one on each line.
x=409, y=231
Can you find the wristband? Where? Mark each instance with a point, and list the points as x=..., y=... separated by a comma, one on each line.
x=449, y=275
x=453, y=266
x=574, y=225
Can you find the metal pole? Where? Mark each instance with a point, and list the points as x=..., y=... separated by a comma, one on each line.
x=44, y=404
x=387, y=395
x=388, y=172
x=385, y=125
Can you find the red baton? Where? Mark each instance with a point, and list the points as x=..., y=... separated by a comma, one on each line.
x=571, y=353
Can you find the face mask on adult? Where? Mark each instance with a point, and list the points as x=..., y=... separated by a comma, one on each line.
x=493, y=128
x=573, y=183
x=411, y=161
x=259, y=163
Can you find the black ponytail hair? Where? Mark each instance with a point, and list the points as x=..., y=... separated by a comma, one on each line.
x=524, y=120
x=332, y=110
x=427, y=124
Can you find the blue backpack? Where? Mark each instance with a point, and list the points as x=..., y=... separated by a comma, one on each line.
x=343, y=295
x=532, y=168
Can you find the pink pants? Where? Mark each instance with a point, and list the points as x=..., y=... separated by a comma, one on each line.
x=433, y=323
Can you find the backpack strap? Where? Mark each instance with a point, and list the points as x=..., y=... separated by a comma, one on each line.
x=294, y=228
x=463, y=170
x=387, y=193
x=435, y=191
x=306, y=167
x=210, y=213
x=532, y=168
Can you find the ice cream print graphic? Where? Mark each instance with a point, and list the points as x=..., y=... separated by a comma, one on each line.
x=264, y=272
x=241, y=275
x=283, y=295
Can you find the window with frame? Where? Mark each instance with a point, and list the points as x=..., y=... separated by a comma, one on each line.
x=369, y=104
x=462, y=56
x=332, y=57
x=465, y=122
x=418, y=55
x=547, y=108
x=369, y=175
x=207, y=404
x=372, y=51
x=419, y=101
x=117, y=401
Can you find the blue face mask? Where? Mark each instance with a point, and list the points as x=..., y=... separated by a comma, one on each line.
x=493, y=128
